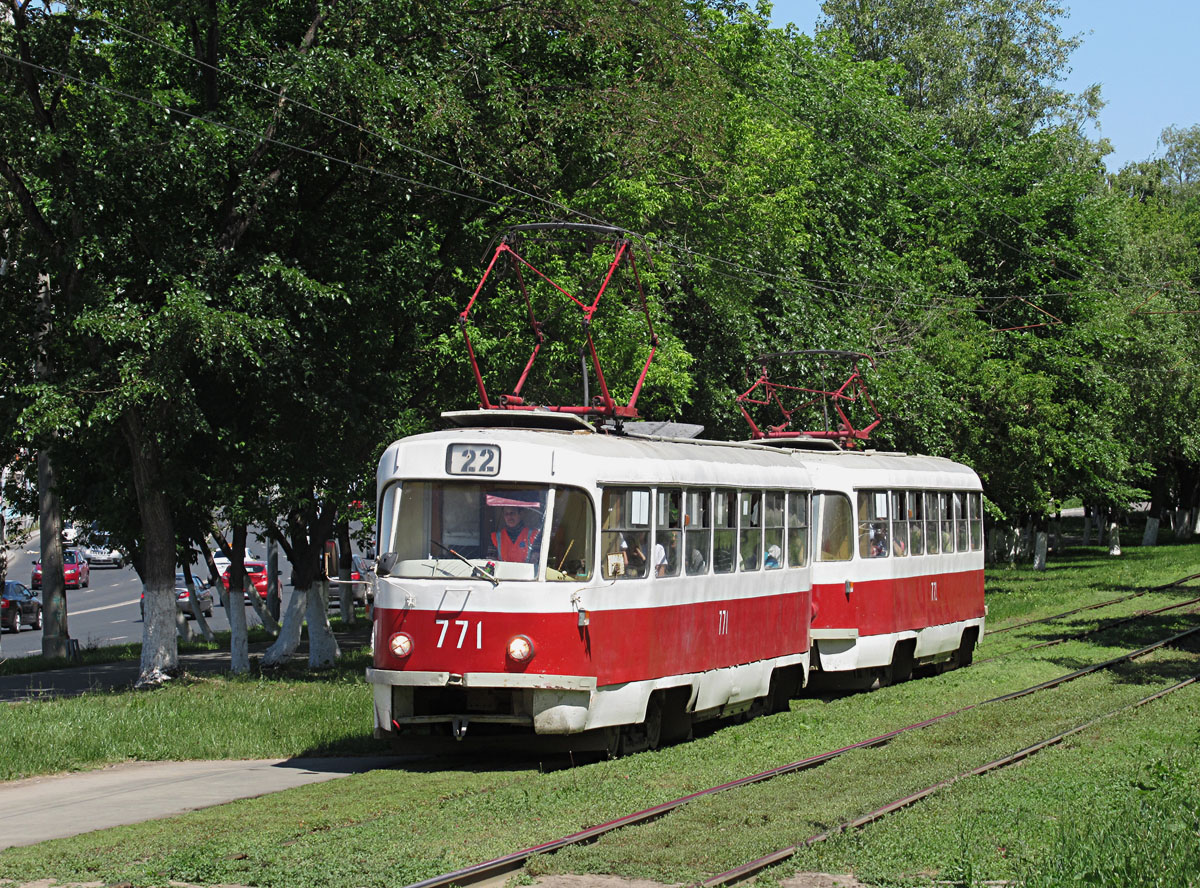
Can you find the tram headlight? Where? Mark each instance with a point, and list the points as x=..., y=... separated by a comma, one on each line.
x=520, y=648
x=400, y=644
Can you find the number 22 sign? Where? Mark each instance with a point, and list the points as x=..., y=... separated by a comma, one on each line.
x=473, y=459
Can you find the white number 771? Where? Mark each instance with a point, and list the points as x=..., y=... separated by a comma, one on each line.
x=462, y=635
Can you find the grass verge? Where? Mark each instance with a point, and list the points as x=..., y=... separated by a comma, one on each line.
x=1116, y=803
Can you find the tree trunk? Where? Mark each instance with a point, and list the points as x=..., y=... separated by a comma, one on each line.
x=273, y=584
x=1039, y=553
x=289, y=631
x=264, y=615
x=1114, y=538
x=183, y=629
x=323, y=648
x=1150, y=535
x=54, y=591
x=197, y=611
x=239, y=643
x=160, y=652
x=346, y=592
x=309, y=527
x=1087, y=525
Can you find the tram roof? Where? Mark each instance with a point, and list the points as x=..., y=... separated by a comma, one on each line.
x=581, y=452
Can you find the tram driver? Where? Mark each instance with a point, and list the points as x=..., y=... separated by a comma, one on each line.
x=514, y=540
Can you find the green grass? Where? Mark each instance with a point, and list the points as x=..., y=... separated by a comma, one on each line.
x=1115, y=805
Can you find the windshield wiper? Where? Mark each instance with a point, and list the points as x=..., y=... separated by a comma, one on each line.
x=476, y=570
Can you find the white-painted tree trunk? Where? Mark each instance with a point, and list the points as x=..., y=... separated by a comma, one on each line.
x=289, y=631
x=160, y=655
x=1012, y=544
x=239, y=644
x=323, y=648
x=1150, y=536
x=198, y=615
x=260, y=608
x=1114, y=538
x=1196, y=522
x=182, y=627
x=1039, y=551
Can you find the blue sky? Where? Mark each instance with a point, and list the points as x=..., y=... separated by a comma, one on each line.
x=1143, y=55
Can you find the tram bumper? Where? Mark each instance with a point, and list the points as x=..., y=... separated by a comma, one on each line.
x=424, y=702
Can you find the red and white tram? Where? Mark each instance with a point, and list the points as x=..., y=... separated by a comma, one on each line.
x=668, y=581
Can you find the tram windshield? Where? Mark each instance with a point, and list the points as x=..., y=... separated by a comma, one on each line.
x=489, y=530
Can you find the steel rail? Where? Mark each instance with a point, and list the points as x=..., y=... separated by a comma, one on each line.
x=1088, y=607
x=748, y=869
x=515, y=860
x=1101, y=628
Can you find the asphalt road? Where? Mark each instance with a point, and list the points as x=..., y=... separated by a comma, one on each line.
x=107, y=612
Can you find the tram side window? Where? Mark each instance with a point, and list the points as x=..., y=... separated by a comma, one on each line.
x=625, y=531
x=931, y=523
x=750, y=521
x=797, y=529
x=873, y=538
x=947, y=523
x=697, y=524
x=570, y=552
x=668, y=523
x=773, y=530
x=975, y=506
x=960, y=521
x=899, y=524
x=724, y=530
x=833, y=522
x=915, y=500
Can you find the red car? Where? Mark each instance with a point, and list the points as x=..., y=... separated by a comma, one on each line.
x=257, y=572
x=76, y=572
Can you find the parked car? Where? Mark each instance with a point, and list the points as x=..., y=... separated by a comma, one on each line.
x=257, y=572
x=18, y=606
x=76, y=572
x=183, y=602
x=99, y=549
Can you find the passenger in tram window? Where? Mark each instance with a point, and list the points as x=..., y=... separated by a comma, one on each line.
x=634, y=552
x=772, y=559
x=660, y=560
x=514, y=540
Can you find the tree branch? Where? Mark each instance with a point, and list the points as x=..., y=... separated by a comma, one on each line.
x=236, y=224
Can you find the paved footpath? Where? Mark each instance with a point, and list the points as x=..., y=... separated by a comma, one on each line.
x=61, y=805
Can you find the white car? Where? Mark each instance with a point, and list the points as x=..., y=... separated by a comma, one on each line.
x=99, y=549
x=222, y=562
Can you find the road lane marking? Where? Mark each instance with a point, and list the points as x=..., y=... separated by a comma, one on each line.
x=92, y=610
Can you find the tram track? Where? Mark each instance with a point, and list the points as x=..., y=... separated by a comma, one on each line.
x=753, y=867
x=504, y=865
x=1161, y=588
x=1087, y=633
